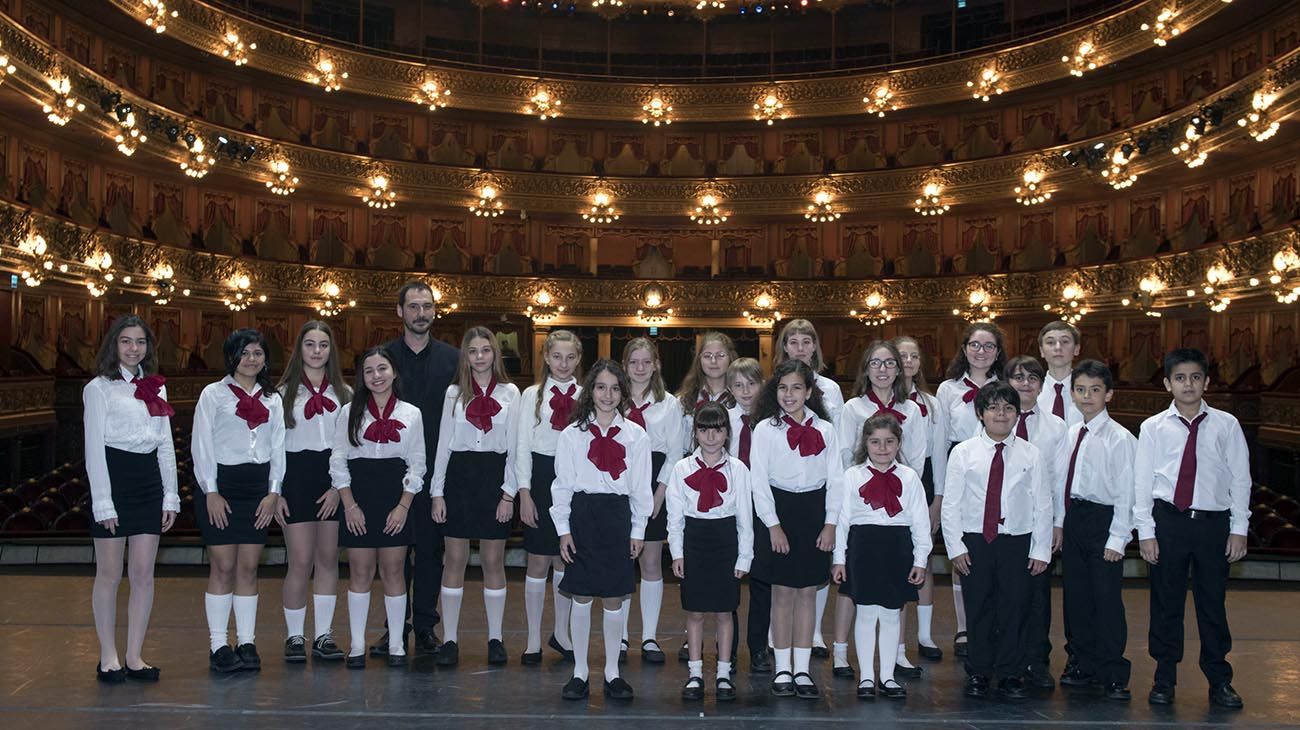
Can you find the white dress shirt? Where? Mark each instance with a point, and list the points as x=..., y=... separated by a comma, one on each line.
x=682, y=502
x=832, y=396
x=963, y=422
x=775, y=465
x=1047, y=432
x=848, y=428
x=1026, y=497
x=534, y=434
x=857, y=511
x=115, y=418
x=574, y=472
x=410, y=449
x=936, y=442
x=733, y=447
x=1103, y=473
x=1047, y=399
x=663, y=424
x=221, y=437
x=456, y=433
x=1222, y=467
x=315, y=433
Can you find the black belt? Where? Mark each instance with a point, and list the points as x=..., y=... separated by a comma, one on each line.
x=1090, y=503
x=1194, y=514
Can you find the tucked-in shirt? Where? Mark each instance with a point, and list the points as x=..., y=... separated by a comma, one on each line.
x=221, y=437
x=1026, y=498
x=315, y=433
x=1047, y=399
x=856, y=511
x=1222, y=467
x=663, y=423
x=425, y=376
x=963, y=422
x=456, y=433
x=848, y=427
x=775, y=465
x=533, y=433
x=832, y=396
x=1047, y=432
x=1103, y=473
x=410, y=449
x=733, y=447
x=682, y=502
x=574, y=473
x=936, y=442
x=115, y=418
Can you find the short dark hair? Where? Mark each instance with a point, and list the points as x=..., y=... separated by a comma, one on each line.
x=1058, y=325
x=1094, y=369
x=712, y=415
x=106, y=362
x=410, y=286
x=1024, y=362
x=870, y=426
x=1185, y=355
x=993, y=391
x=233, y=350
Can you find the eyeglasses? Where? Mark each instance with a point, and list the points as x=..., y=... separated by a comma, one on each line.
x=714, y=356
x=877, y=364
x=1025, y=378
x=985, y=346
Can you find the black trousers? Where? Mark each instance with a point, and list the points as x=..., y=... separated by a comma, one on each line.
x=760, y=616
x=996, y=596
x=1095, y=627
x=424, y=564
x=1038, y=620
x=1196, y=546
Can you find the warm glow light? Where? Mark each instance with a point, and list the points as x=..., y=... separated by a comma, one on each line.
x=156, y=15
x=1163, y=29
x=770, y=109
x=1031, y=192
x=380, y=196
x=987, y=85
x=59, y=112
x=544, y=104
x=822, y=209
x=1082, y=61
x=931, y=201
x=656, y=111
x=327, y=76
x=234, y=49
x=433, y=96
x=880, y=100
x=282, y=182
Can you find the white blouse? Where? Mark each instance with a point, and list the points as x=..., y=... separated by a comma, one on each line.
x=936, y=442
x=857, y=511
x=681, y=502
x=963, y=422
x=315, y=433
x=221, y=437
x=688, y=419
x=456, y=433
x=1047, y=399
x=574, y=472
x=1047, y=432
x=832, y=396
x=533, y=434
x=1026, y=499
x=848, y=427
x=774, y=464
x=410, y=449
x=663, y=423
x=1103, y=473
x=115, y=418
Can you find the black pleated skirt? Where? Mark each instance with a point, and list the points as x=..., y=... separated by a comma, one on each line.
x=377, y=487
x=802, y=516
x=542, y=540
x=602, y=567
x=846, y=588
x=244, y=486
x=879, y=560
x=137, y=487
x=927, y=480
x=656, y=530
x=473, y=491
x=306, y=478
x=709, y=551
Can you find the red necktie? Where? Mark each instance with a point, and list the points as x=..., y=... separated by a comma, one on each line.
x=1069, y=475
x=1058, y=405
x=561, y=406
x=1022, y=426
x=636, y=414
x=887, y=409
x=606, y=453
x=920, y=403
x=384, y=429
x=744, y=440
x=710, y=482
x=704, y=398
x=1186, y=485
x=318, y=403
x=993, y=496
x=806, y=437
x=250, y=407
x=146, y=389
x=972, y=391
x=882, y=491
x=483, y=407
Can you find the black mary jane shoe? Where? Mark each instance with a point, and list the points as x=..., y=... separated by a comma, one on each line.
x=650, y=652
x=358, y=661
x=325, y=649
x=111, y=676
x=821, y=652
x=867, y=690
x=618, y=689
x=726, y=690
x=143, y=674
x=844, y=672
x=396, y=661
x=530, y=659
x=555, y=644
x=1161, y=693
x=806, y=691
x=959, y=644
x=249, y=660
x=295, y=649
x=622, y=652
x=908, y=672
x=448, y=655
x=684, y=653
x=497, y=653
x=783, y=687
x=225, y=660
x=694, y=689
x=1223, y=695
x=931, y=653
x=575, y=689
x=893, y=690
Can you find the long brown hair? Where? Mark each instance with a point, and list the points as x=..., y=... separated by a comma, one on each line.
x=960, y=365
x=552, y=339
x=918, y=381
x=863, y=384
x=106, y=362
x=657, y=388
x=465, y=375
x=694, y=381
x=768, y=406
x=585, y=408
x=799, y=327
x=293, y=371
x=361, y=394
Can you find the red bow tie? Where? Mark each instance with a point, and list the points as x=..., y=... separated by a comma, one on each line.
x=146, y=389
x=318, y=403
x=250, y=407
x=887, y=409
x=606, y=453
x=636, y=414
x=806, y=437
x=973, y=390
x=561, y=406
x=710, y=482
x=882, y=491
x=483, y=407
x=383, y=429
x=916, y=398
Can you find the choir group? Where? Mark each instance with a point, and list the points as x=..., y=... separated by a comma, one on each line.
x=777, y=480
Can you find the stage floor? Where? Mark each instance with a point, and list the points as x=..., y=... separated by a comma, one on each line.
x=50, y=651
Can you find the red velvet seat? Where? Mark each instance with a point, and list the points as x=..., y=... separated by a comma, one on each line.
x=23, y=522
x=31, y=490
x=1286, y=538
x=47, y=509
x=74, y=520
x=1269, y=525
x=1288, y=508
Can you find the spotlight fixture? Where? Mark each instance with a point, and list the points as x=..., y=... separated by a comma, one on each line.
x=931, y=201
x=880, y=100
x=656, y=111
x=380, y=196
x=1031, y=191
x=1083, y=59
x=234, y=49
x=544, y=104
x=156, y=15
x=59, y=112
x=432, y=95
x=770, y=109
x=709, y=212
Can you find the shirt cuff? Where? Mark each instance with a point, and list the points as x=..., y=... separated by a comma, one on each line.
x=954, y=555
x=742, y=564
x=837, y=558
x=1044, y=553
x=172, y=503
x=104, y=513
x=1146, y=532
x=638, y=533
x=769, y=520
x=562, y=528
x=1116, y=543
x=437, y=489
x=275, y=487
x=1059, y=521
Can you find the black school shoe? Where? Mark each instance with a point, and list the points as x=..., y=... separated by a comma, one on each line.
x=1161, y=694
x=295, y=649
x=531, y=660
x=1011, y=688
x=694, y=689
x=726, y=690
x=909, y=672
x=112, y=676
x=247, y=654
x=844, y=672
x=143, y=674
x=821, y=652
x=380, y=648
x=575, y=689
x=759, y=664
x=783, y=687
x=1039, y=677
x=617, y=689
x=396, y=661
x=684, y=653
x=1118, y=692
x=932, y=653
x=225, y=660
x=977, y=686
x=448, y=655
x=555, y=644
x=357, y=662
x=1224, y=695
x=959, y=644
x=806, y=691
x=1076, y=677
x=650, y=652
x=893, y=690
x=426, y=643
x=497, y=653
x=867, y=690
x=325, y=649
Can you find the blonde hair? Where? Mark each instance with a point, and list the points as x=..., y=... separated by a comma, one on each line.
x=800, y=327
x=918, y=381
x=657, y=379
x=747, y=366
x=556, y=337
x=464, y=374
x=695, y=378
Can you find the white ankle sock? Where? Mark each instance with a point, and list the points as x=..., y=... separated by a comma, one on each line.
x=534, y=605
x=626, y=612
x=724, y=670
x=889, y=645
x=563, y=605
x=802, y=658
x=323, y=607
x=494, y=602
x=294, y=619
x=864, y=636
x=450, y=602
x=358, y=613
x=613, y=629
x=580, y=633
x=217, y=607
x=840, y=654
x=924, y=617
x=822, y=594
x=245, y=618
x=652, y=598
x=395, y=609
x=695, y=669
x=783, y=660
x=959, y=605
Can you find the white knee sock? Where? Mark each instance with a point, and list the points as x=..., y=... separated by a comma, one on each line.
x=626, y=612
x=889, y=647
x=534, y=605
x=323, y=606
x=358, y=613
x=580, y=633
x=822, y=593
x=218, y=610
x=840, y=654
x=451, y=598
x=613, y=630
x=245, y=618
x=494, y=602
x=959, y=606
x=924, y=617
x=783, y=660
x=395, y=609
x=864, y=636
x=294, y=619
x=652, y=598
x=563, y=605
x=802, y=658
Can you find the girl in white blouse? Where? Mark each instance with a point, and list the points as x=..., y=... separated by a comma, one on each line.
x=471, y=500
x=706, y=380
x=131, y=464
x=377, y=465
x=882, y=547
x=238, y=450
x=313, y=392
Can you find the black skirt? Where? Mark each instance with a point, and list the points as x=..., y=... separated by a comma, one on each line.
x=542, y=540
x=709, y=551
x=846, y=588
x=244, y=486
x=656, y=530
x=472, y=492
x=927, y=481
x=802, y=516
x=880, y=558
x=377, y=487
x=602, y=567
x=137, y=490
x=306, y=478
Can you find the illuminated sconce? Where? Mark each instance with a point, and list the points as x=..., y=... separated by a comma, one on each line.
x=873, y=314
x=380, y=196
x=654, y=311
x=764, y=312
x=543, y=103
x=60, y=110
x=880, y=100
x=978, y=307
x=34, y=246
x=197, y=162
x=1117, y=173
x=156, y=15
x=931, y=200
x=987, y=85
x=6, y=68
x=128, y=136
x=487, y=205
x=241, y=295
x=327, y=75
x=163, y=286
x=656, y=111
x=822, y=208
x=1189, y=149
x=1031, y=191
x=1071, y=308
x=283, y=181
x=433, y=96
x=1083, y=60
x=1163, y=30
x=1144, y=299
x=1257, y=121
x=333, y=305
x=601, y=211
x=440, y=309
x=102, y=276
x=709, y=212
x=234, y=49
x=544, y=308
x=770, y=109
